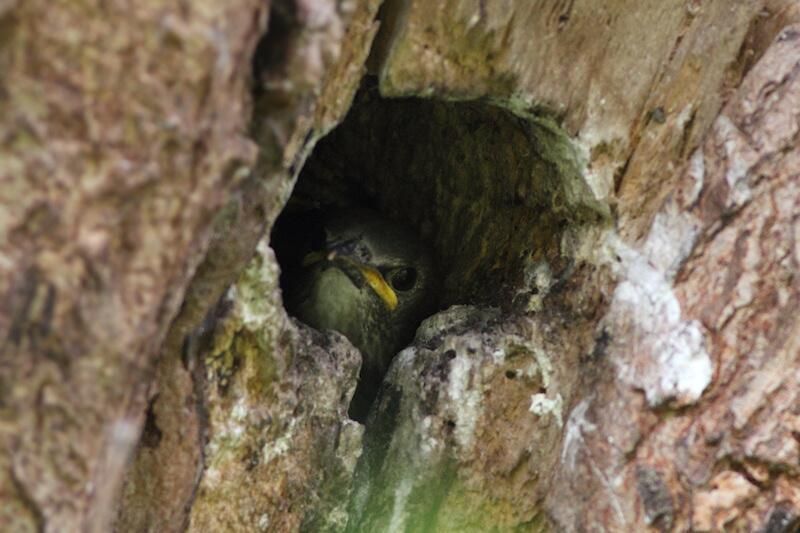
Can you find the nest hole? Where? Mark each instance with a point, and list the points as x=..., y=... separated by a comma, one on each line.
x=489, y=190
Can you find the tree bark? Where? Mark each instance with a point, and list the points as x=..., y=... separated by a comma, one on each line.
x=123, y=130
x=611, y=187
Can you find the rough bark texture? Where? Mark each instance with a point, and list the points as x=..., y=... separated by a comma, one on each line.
x=713, y=307
x=619, y=66
x=123, y=127
x=276, y=405
x=630, y=358
x=308, y=66
x=468, y=426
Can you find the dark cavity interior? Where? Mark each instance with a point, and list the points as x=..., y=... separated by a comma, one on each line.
x=490, y=191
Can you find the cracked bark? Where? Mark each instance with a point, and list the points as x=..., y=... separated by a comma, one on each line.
x=641, y=374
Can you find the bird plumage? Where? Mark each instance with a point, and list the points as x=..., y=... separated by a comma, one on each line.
x=368, y=278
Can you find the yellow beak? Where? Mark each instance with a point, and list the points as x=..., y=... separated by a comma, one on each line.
x=382, y=289
x=371, y=275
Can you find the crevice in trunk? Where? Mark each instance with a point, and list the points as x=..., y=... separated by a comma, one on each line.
x=489, y=190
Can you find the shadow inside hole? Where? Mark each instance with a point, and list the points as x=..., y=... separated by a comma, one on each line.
x=490, y=192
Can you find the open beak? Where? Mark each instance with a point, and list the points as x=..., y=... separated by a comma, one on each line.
x=368, y=274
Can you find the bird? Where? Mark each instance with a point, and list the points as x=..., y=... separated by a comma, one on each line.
x=359, y=273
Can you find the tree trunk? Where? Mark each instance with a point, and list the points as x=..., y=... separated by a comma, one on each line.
x=611, y=190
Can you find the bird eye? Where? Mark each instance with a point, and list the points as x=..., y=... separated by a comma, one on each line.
x=403, y=279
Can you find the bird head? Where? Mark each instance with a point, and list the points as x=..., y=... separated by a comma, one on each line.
x=341, y=255
x=368, y=278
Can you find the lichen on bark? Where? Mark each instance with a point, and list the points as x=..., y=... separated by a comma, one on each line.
x=276, y=398
x=565, y=159
x=456, y=442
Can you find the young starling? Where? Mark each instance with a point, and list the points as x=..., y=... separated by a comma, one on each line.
x=364, y=276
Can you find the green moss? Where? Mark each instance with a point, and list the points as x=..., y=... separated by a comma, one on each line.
x=262, y=371
x=244, y=341
x=241, y=350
